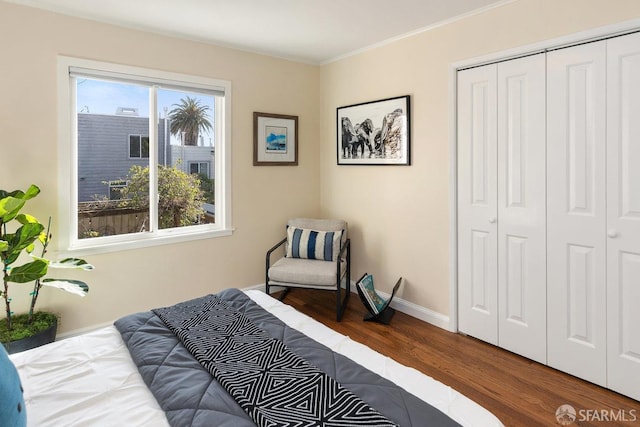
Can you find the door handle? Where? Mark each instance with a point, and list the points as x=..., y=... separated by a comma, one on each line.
x=492, y=219
x=612, y=233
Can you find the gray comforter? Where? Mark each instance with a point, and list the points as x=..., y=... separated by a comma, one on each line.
x=190, y=396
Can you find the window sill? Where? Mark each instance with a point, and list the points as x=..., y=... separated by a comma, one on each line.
x=84, y=248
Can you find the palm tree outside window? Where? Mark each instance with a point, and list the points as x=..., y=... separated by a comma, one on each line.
x=188, y=118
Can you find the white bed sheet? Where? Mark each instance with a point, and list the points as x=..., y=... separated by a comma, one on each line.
x=90, y=380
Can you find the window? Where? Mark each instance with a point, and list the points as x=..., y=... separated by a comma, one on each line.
x=199, y=168
x=138, y=146
x=123, y=195
x=115, y=189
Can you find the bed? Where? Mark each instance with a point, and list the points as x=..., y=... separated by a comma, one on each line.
x=136, y=373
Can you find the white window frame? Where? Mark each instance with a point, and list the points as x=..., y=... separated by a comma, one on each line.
x=67, y=225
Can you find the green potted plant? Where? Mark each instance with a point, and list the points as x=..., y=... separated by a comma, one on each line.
x=20, y=233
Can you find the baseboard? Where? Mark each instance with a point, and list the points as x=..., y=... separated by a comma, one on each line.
x=413, y=310
x=81, y=331
x=406, y=307
x=418, y=311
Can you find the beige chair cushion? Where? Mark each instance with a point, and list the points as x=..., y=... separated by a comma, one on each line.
x=305, y=273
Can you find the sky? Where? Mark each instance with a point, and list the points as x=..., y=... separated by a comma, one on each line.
x=104, y=97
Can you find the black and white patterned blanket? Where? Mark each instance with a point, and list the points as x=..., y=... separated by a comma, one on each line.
x=191, y=397
x=272, y=384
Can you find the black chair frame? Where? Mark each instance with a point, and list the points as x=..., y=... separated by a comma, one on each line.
x=341, y=302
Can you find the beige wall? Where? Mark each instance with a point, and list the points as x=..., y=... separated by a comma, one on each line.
x=262, y=197
x=400, y=217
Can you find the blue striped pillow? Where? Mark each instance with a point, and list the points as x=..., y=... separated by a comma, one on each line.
x=313, y=244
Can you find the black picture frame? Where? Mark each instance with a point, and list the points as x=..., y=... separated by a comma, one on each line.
x=375, y=132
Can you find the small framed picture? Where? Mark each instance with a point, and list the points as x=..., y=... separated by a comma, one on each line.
x=375, y=133
x=275, y=140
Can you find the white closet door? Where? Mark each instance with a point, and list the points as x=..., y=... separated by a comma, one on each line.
x=623, y=214
x=522, y=281
x=477, y=201
x=576, y=211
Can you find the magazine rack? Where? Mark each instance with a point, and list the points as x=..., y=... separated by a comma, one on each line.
x=379, y=309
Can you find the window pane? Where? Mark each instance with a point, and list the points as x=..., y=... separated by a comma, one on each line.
x=204, y=169
x=144, y=149
x=187, y=135
x=134, y=146
x=109, y=114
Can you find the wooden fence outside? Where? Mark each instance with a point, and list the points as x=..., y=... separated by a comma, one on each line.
x=97, y=219
x=110, y=221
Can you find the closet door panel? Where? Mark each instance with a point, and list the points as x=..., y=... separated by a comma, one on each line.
x=576, y=211
x=477, y=244
x=623, y=214
x=522, y=299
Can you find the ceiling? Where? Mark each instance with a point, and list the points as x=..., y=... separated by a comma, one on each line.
x=311, y=31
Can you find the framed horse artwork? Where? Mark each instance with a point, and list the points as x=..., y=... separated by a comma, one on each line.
x=375, y=133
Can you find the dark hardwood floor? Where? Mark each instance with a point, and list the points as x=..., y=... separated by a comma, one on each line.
x=518, y=391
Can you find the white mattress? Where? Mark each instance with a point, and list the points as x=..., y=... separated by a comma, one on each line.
x=90, y=380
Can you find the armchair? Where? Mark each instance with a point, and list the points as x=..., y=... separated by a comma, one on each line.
x=317, y=255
